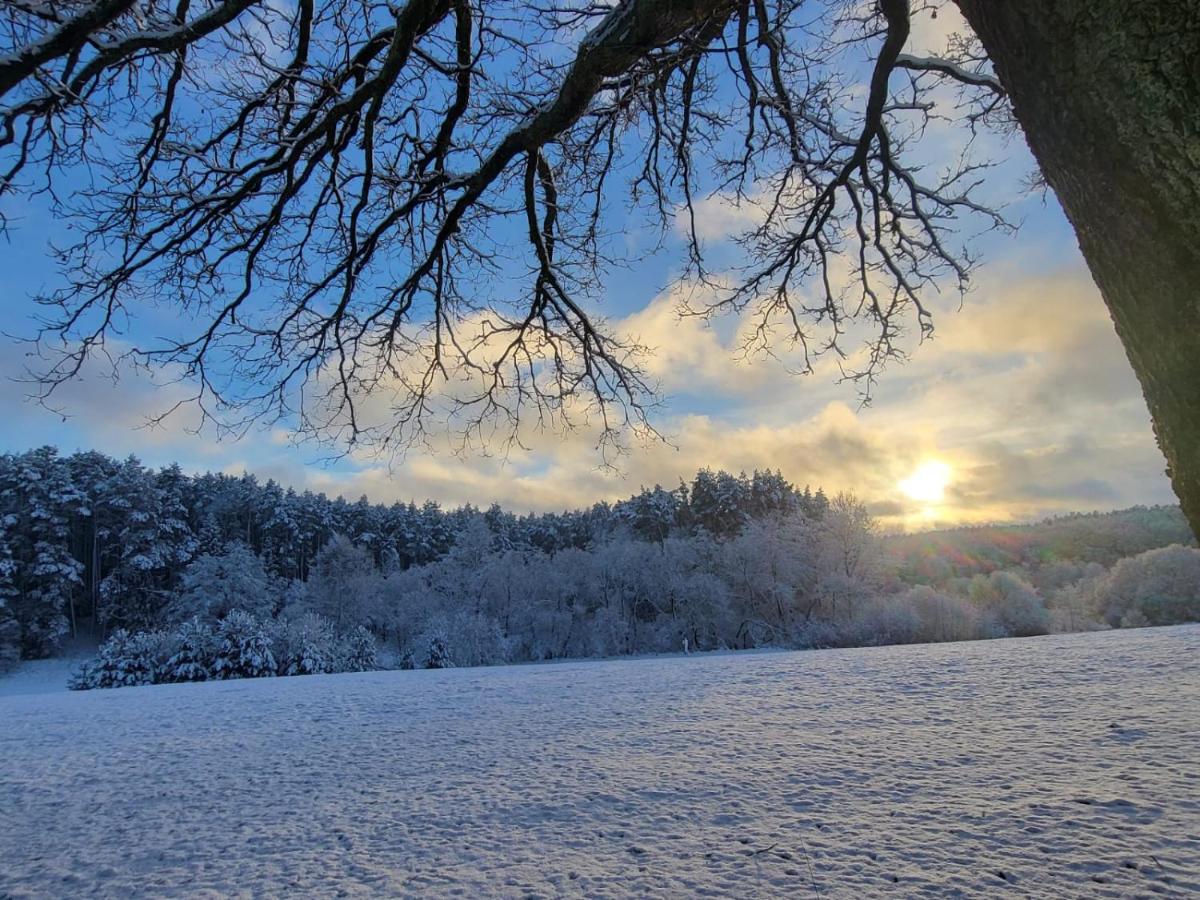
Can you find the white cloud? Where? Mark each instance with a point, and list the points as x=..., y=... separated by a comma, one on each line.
x=1025, y=394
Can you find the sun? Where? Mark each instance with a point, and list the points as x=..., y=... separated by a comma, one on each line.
x=928, y=483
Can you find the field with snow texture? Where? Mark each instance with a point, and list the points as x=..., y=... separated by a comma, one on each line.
x=1064, y=766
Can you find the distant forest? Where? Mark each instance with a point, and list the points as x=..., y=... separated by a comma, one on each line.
x=192, y=577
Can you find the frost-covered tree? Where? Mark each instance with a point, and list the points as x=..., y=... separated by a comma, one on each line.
x=344, y=585
x=212, y=586
x=1158, y=587
x=850, y=553
x=774, y=575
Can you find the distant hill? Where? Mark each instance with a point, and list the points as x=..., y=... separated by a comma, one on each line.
x=933, y=556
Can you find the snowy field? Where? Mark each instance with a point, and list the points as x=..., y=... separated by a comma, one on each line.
x=1064, y=766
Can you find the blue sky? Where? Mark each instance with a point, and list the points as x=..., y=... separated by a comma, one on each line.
x=1025, y=395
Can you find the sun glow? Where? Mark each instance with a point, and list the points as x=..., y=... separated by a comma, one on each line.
x=928, y=483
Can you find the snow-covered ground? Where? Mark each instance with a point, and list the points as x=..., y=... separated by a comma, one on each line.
x=1061, y=766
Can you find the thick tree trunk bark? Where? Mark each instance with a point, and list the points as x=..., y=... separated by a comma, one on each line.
x=1108, y=95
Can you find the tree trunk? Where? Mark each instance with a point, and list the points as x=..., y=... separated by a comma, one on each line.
x=1108, y=95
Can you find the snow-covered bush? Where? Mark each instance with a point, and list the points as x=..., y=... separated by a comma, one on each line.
x=816, y=634
x=243, y=648
x=918, y=615
x=940, y=617
x=304, y=646
x=872, y=623
x=126, y=660
x=885, y=622
x=1011, y=604
x=240, y=646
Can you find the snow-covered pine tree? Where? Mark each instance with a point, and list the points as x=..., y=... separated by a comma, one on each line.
x=91, y=471
x=651, y=514
x=304, y=646
x=10, y=628
x=720, y=502
x=438, y=656
x=358, y=652
x=38, y=499
x=770, y=494
x=194, y=654
x=243, y=648
x=279, y=531
x=152, y=543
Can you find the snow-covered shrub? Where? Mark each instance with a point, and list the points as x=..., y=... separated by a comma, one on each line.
x=238, y=647
x=873, y=622
x=1073, y=606
x=309, y=645
x=85, y=677
x=883, y=622
x=1010, y=603
x=243, y=648
x=816, y=634
x=126, y=660
x=940, y=617
x=1135, y=618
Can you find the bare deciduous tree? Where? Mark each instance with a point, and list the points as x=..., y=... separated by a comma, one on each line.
x=352, y=199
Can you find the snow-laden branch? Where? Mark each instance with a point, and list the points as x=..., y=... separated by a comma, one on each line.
x=951, y=69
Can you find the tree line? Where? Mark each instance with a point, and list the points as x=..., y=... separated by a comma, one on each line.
x=213, y=576
x=91, y=542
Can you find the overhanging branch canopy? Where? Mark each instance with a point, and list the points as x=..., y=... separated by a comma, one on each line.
x=336, y=195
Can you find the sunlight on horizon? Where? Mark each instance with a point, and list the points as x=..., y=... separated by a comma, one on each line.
x=928, y=483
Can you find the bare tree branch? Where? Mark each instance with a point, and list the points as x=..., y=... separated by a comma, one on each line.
x=371, y=218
